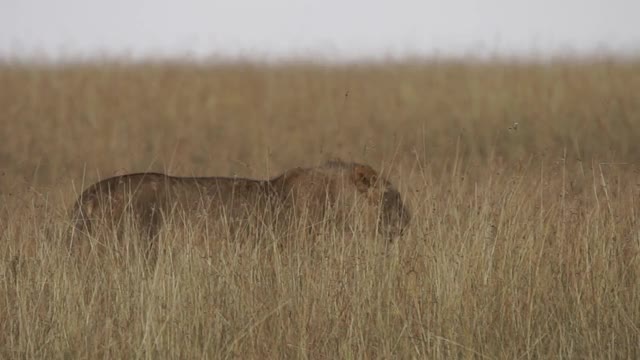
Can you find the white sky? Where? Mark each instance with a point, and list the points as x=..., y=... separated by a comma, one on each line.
x=331, y=28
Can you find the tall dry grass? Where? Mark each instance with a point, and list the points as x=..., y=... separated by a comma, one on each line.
x=524, y=243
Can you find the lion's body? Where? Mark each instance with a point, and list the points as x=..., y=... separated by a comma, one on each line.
x=334, y=192
x=153, y=198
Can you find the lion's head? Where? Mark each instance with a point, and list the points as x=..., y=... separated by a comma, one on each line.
x=393, y=215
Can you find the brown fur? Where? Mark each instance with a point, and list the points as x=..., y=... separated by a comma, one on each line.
x=336, y=191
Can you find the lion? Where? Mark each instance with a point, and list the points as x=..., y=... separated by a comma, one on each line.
x=335, y=192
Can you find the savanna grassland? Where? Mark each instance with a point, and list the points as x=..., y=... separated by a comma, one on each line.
x=523, y=181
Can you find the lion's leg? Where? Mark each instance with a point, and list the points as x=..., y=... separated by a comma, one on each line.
x=150, y=225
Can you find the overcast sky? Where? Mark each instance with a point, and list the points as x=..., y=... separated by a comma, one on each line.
x=330, y=28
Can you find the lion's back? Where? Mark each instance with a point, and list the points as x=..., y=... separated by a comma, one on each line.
x=152, y=197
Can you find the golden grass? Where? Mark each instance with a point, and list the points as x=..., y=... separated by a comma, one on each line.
x=525, y=241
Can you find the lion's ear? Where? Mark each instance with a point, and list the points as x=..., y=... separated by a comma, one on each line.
x=364, y=177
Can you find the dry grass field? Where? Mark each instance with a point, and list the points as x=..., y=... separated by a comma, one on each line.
x=523, y=181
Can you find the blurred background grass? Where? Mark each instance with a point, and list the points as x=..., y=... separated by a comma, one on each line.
x=68, y=121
